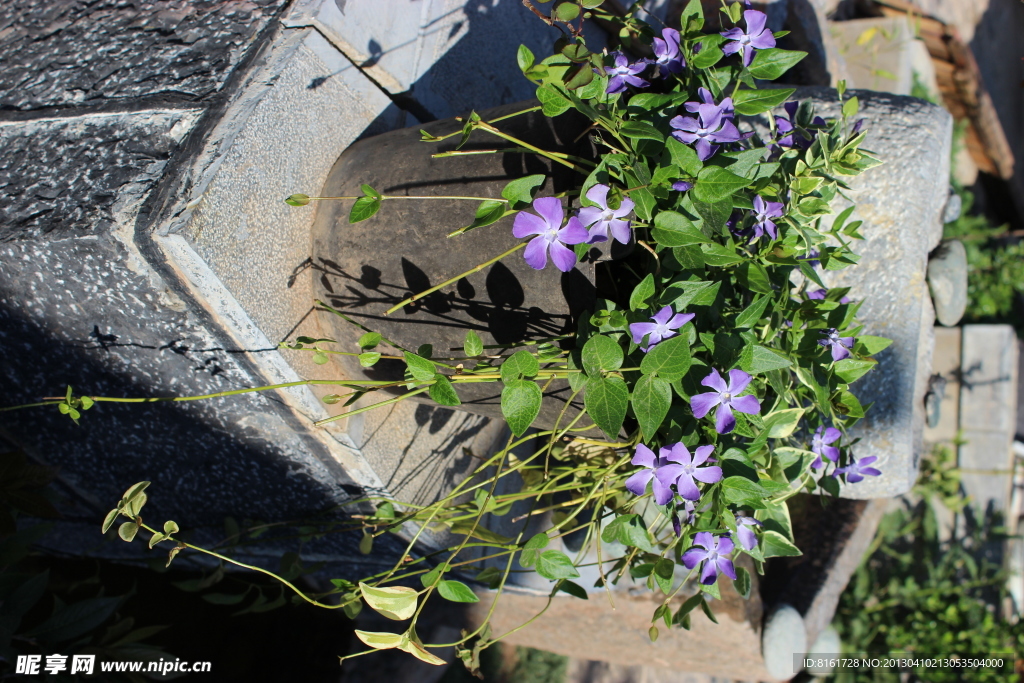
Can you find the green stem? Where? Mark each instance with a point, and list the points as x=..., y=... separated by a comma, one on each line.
x=321, y=423
x=402, y=196
x=544, y=153
x=500, y=118
x=474, y=269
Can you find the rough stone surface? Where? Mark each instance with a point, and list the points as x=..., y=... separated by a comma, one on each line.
x=86, y=52
x=61, y=177
x=988, y=413
x=947, y=281
x=784, y=638
x=954, y=206
x=900, y=203
x=946, y=366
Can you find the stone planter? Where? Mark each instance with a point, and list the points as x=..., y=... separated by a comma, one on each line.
x=367, y=267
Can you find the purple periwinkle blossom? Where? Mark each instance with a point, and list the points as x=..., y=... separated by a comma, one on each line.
x=681, y=469
x=725, y=396
x=551, y=236
x=784, y=125
x=820, y=294
x=713, y=551
x=858, y=469
x=764, y=212
x=756, y=37
x=712, y=126
x=840, y=346
x=745, y=534
x=664, y=325
x=668, y=57
x=687, y=509
x=623, y=74
x=651, y=464
x=682, y=186
x=602, y=219
x=820, y=445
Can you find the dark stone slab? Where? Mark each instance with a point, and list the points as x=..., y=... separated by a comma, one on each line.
x=61, y=178
x=91, y=51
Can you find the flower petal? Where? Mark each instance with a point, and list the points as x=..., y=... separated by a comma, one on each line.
x=663, y=315
x=747, y=404
x=715, y=381
x=693, y=557
x=677, y=453
x=599, y=195
x=644, y=456
x=724, y=420
x=725, y=566
x=639, y=330
x=709, y=475
x=831, y=435
x=701, y=404
x=755, y=21
x=573, y=232
x=709, y=574
x=562, y=256
x=637, y=483
x=536, y=254
x=550, y=209
x=738, y=381
x=702, y=454
x=620, y=230
x=589, y=215
x=527, y=224
x=625, y=206
x=680, y=319
x=662, y=493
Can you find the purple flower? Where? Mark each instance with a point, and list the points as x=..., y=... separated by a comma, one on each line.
x=840, y=345
x=668, y=58
x=811, y=257
x=714, y=553
x=664, y=326
x=682, y=186
x=819, y=295
x=746, y=535
x=784, y=124
x=764, y=212
x=857, y=126
x=820, y=445
x=858, y=469
x=681, y=469
x=601, y=219
x=651, y=463
x=550, y=234
x=712, y=126
x=623, y=74
x=756, y=37
x=725, y=397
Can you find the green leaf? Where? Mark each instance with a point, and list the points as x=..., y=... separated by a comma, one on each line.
x=771, y=63
x=417, y=651
x=851, y=106
x=710, y=53
x=156, y=538
x=664, y=572
x=443, y=392
x=525, y=58
x=628, y=530
x=757, y=359
x=553, y=102
x=704, y=605
x=566, y=11
x=752, y=313
x=673, y=229
x=363, y=208
x=739, y=489
x=370, y=192
x=777, y=545
x=456, y=591
x=754, y=277
x=669, y=359
x=684, y=156
x=366, y=543
x=652, y=397
x=467, y=528
x=369, y=359
x=394, y=602
x=714, y=215
x=109, y=520
x=715, y=184
x=297, y=200
x=520, y=404
x=868, y=346
x=601, y=354
x=490, y=211
x=783, y=423
x=691, y=604
x=519, y=363
x=573, y=589
x=849, y=405
x=522, y=190
x=720, y=255
x=742, y=582
x=379, y=640
x=692, y=18
x=641, y=293
x=127, y=531
x=370, y=340
x=641, y=130
x=422, y=370
x=752, y=102
x=74, y=620
x=606, y=400
x=554, y=564
x=531, y=549
x=695, y=293
x=473, y=345
x=850, y=369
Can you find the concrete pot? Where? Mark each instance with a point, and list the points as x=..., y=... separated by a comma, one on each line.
x=367, y=267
